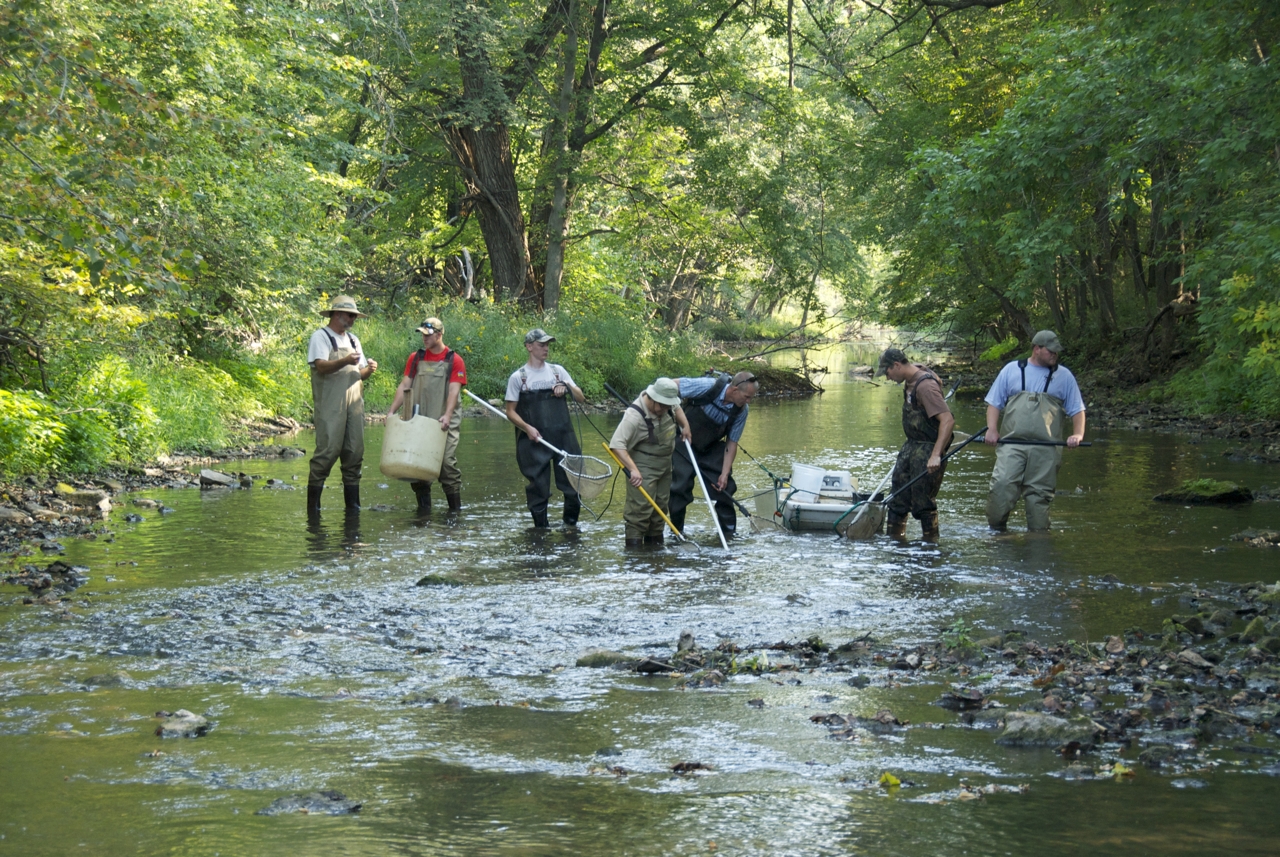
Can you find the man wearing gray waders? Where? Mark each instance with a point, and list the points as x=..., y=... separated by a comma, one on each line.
x=537, y=407
x=927, y=423
x=716, y=408
x=643, y=442
x=433, y=380
x=338, y=372
x=1031, y=399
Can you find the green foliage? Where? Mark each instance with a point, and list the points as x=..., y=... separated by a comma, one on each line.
x=1000, y=349
x=31, y=435
x=958, y=636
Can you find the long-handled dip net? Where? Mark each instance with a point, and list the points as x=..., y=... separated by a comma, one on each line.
x=588, y=475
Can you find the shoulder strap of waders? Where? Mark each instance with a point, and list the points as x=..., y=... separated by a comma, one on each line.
x=333, y=343
x=421, y=354
x=648, y=423
x=722, y=381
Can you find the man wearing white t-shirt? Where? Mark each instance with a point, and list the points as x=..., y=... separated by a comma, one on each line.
x=536, y=406
x=338, y=371
x=1032, y=399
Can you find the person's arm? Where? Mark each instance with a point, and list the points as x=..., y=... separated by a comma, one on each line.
x=518, y=422
x=328, y=367
x=405, y=384
x=677, y=414
x=633, y=472
x=730, y=453
x=992, y=436
x=451, y=404
x=578, y=396
x=946, y=424
x=1077, y=430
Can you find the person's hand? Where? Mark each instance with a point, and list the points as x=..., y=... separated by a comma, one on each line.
x=991, y=438
x=533, y=433
x=351, y=359
x=559, y=390
x=1074, y=440
x=686, y=435
x=935, y=463
x=634, y=478
x=444, y=421
x=722, y=481
x=373, y=366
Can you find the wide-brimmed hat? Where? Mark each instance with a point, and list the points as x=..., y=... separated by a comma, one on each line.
x=1047, y=339
x=664, y=391
x=538, y=335
x=343, y=303
x=888, y=358
x=430, y=325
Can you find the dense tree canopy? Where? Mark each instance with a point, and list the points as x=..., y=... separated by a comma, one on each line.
x=186, y=179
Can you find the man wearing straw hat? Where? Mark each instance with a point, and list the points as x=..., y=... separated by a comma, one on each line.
x=338, y=372
x=643, y=442
x=1031, y=399
x=536, y=406
x=433, y=380
x=927, y=422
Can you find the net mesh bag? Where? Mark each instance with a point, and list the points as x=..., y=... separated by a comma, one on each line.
x=864, y=522
x=587, y=475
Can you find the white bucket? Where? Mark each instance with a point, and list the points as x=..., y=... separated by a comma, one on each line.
x=807, y=482
x=412, y=449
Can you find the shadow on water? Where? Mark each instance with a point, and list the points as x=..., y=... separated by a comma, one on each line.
x=455, y=710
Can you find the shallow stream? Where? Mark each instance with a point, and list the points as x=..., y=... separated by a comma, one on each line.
x=456, y=713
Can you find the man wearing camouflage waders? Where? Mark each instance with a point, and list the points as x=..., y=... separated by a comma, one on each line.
x=716, y=408
x=536, y=406
x=643, y=442
x=338, y=372
x=1034, y=396
x=927, y=423
x=433, y=380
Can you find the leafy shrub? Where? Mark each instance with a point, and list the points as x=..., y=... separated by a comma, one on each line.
x=31, y=434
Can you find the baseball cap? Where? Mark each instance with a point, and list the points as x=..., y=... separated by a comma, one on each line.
x=888, y=358
x=538, y=335
x=1047, y=339
x=431, y=325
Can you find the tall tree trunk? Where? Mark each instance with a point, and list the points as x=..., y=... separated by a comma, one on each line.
x=1103, y=271
x=1166, y=250
x=561, y=168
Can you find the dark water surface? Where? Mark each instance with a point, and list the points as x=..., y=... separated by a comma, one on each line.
x=457, y=715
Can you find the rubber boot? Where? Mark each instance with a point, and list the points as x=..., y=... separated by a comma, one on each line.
x=634, y=543
x=677, y=518
x=313, y=499
x=929, y=525
x=895, y=528
x=422, y=490
x=540, y=519
x=454, y=499
x=572, y=508
x=351, y=497
x=654, y=540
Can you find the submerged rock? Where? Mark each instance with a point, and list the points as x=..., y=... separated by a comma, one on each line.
x=604, y=658
x=1030, y=729
x=181, y=724
x=328, y=802
x=1206, y=491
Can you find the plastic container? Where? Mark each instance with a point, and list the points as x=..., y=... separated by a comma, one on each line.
x=807, y=482
x=412, y=449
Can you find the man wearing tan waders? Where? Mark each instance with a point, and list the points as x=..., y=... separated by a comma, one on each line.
x=1031, y=399
x=338, y=372
x=433, y=379
x=643, y=442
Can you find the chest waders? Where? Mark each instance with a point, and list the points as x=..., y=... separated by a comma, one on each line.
x=1029, y=472
x=338, y=399
x=652, y=456
x=913, y=459
x=429, y=390
x=709, y=441
x=549, y=414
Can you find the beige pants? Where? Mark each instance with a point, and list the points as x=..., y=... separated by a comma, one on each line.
x=339, y=419
x=1027, y=472
x=639, y=516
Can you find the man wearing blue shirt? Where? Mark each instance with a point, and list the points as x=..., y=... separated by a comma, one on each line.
x=1031, y=399
x=716, y=408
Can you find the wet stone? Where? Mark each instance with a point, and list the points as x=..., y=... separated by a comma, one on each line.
x=596, y=658
x=181, y=724
x=1030, y=729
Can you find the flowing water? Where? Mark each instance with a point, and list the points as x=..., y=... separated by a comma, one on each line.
x=456, y=713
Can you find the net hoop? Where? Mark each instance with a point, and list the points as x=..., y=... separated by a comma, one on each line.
x=588, y=475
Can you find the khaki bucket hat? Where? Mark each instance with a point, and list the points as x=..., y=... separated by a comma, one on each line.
x=343, y=303
x=664, y=391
